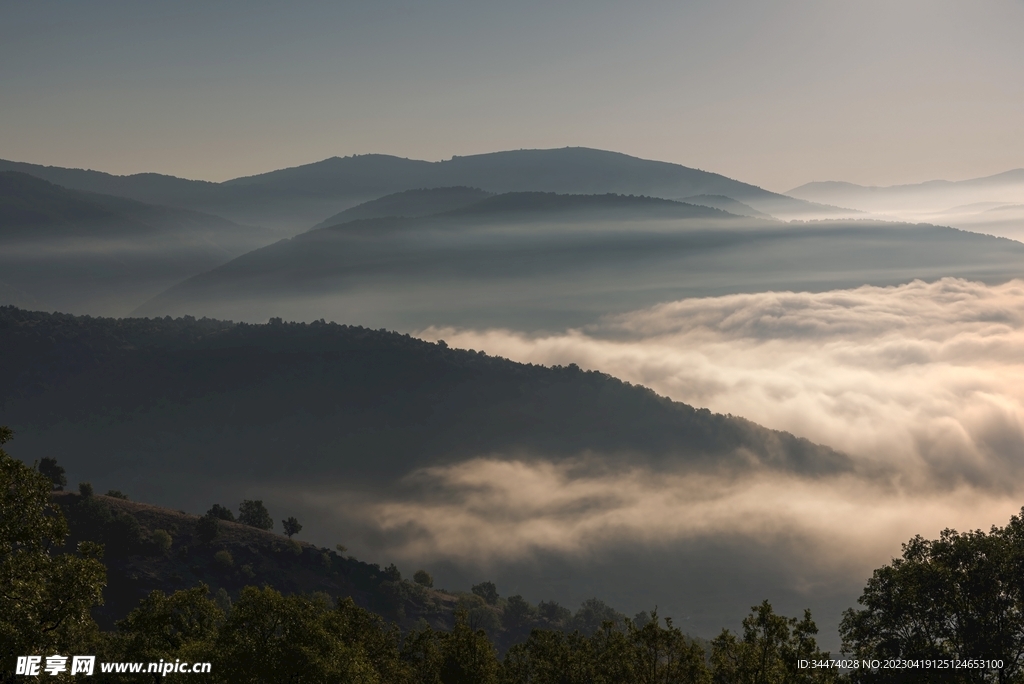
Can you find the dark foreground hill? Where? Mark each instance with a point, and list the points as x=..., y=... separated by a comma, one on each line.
x=148, y=548
x=180, y=409
x=140, y=559
x=85, y=252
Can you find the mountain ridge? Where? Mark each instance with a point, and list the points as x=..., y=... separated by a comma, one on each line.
x=297, y=193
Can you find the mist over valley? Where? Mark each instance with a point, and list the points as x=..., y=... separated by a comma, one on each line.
x=572, y=372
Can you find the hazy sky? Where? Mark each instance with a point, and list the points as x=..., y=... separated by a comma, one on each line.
x=775, y=93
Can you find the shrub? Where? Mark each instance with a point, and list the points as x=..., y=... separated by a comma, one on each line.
x=163, y=540
x=221, y=513
x=223, y=558
x=117, y=494
x=423, y=578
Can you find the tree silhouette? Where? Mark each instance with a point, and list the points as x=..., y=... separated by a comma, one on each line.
x=221, y=512
x=291, y=526
x=487, y=591
x=254, y=514
x=49, y=469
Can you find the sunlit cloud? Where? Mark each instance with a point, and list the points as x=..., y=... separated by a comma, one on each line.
x=924, y=378
x=921, y=386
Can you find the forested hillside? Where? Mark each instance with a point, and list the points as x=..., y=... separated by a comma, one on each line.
x=337, y=401
x=946, y=605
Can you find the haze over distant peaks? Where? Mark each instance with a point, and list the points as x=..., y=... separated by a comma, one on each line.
x=944, y=191
x=295, y=198
x=966, y=204
x=725, y=204
x=409, y=203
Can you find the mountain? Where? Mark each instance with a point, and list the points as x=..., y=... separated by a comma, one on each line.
x=535, y=262
x=326, y=422
x=725, y=204
x=30, y=208
x=525, y=258
x=409, y=203
x=289, y=200
x=334, y=392
x=86, y=252
x=962, y=204
x=1001, y=185
x=565, y=171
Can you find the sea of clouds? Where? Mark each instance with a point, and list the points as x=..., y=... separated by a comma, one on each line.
x=921, y=385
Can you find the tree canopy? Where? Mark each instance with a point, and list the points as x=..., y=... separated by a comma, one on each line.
x=960, y=596
x=45, y=596
x=255, y=514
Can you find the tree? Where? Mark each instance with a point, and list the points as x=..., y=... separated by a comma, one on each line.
x=518, y=614
x=593, y=613
x=956, y=597
x=291, y=526
x=469, y=657
x=185, y=623
x=49, y=469
x=665, y=654
x=45, y=597
x=487, y=591
x=254, y=514
x=221, y=513
x=553, y=612
x=85, y=489
x=273, y=638
x=423, y=578
x=769, y=651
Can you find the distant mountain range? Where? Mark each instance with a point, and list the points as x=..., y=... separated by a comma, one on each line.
x=84, y=252
x=293, y=199
x=993, y=205
x=942, y=191
x=541, y=261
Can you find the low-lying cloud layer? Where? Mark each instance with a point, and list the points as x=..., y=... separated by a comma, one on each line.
x=924, y=380
x=922, y=385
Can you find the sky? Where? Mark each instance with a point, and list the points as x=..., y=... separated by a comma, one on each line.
x=774, y=93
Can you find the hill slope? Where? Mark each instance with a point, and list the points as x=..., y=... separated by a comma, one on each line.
x=408, y=203
x=85, y=252
x=333, y=394
x=536, y=261
x=530, y=259
x=137, y=564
